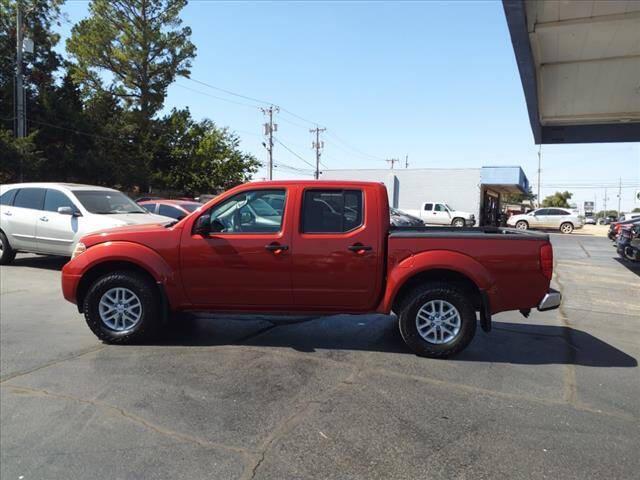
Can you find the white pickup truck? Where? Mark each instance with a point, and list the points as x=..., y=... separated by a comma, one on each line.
x=439, y=213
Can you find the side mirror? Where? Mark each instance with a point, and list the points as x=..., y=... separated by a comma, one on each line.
x=202, y=225
x=217, y=226
x=68, y=211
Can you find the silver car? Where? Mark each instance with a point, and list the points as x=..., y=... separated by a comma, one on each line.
x=50, y=218
x=561, y=219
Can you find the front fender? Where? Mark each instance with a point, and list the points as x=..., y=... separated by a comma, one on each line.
x=135, y=253
x=435, y=260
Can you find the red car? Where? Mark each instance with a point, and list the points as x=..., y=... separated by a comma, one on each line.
x=309, y=247
x=177, y=209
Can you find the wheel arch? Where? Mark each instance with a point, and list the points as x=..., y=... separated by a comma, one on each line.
x=102, y=268
x=440, y=265
x=438, y=275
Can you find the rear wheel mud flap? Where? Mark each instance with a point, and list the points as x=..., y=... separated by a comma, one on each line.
x=485, y=312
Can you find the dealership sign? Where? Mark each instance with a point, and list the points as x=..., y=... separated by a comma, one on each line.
x=589, y=206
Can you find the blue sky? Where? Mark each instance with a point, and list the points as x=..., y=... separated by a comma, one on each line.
x=433, y=80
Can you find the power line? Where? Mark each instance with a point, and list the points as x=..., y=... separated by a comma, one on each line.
x=331, y=134
x=293, y=153
x=229, y=92
x=79, y=132
x=216, y=97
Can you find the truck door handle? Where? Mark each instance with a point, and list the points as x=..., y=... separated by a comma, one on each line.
x=276, y=247
x=358, y=247
x=44, y=219
x=8, y=214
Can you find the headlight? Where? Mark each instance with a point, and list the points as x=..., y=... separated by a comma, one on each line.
x=79, y=248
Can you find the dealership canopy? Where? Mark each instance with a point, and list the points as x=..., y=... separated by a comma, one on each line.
x=579, y=64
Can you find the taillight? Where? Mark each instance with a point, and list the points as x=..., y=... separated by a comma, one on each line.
x=546, y=260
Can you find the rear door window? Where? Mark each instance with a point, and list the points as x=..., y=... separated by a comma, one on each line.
x=169, y=211
x=55, y=199
x=331, y=211
x=30, y=198
x=428, y=206
x=8, y=196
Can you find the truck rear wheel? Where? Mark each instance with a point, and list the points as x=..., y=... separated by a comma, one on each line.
x=437, y=320
x=122, y=307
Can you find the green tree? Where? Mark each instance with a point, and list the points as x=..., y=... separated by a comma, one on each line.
x=16, y=154
x=39, y=68
x=199, y=157
x=519, y=197
x=558, y=199
x=636, y=210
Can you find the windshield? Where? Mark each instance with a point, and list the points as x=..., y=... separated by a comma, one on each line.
x=107, y=202
x=449, y=207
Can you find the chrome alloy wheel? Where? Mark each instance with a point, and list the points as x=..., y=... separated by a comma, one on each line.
x=120, y=309
x=438, y=322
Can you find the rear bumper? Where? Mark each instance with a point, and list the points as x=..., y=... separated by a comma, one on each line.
x=550, y=301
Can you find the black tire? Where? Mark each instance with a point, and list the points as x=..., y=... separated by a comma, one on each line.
x=458, y=222
x=452, y=294
x=143, y=288
x=522, y=225
x=7, y=254
x=566, y=227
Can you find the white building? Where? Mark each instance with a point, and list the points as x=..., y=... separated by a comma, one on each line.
x=474, y=190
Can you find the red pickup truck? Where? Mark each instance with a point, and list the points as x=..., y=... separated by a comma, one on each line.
x=309, y=247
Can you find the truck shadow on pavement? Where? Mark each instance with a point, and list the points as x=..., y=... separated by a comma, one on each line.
x=514, y=343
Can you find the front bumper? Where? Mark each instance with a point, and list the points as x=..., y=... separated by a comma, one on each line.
x=550, y=301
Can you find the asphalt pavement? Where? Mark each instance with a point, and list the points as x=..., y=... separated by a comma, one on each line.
x=552, y=396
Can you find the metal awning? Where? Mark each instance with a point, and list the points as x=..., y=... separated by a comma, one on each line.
x=579, y=64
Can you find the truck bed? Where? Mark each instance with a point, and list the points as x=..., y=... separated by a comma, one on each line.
x=498, y=233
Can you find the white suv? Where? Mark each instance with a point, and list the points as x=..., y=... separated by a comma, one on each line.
x=50, y=218
x=562, y=219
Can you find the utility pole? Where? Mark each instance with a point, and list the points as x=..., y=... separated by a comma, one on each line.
x=539, y=170
x=392, y=161
x=20, y=98
x=318, y=145
x=619, y=195
x=406, y=161
x=605, y=202
x=269, y=128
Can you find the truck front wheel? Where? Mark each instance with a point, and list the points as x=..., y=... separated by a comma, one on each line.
x=122, y=307
x=437, y=320
x=458, y=222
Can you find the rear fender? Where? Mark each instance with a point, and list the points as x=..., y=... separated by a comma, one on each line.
x=436, y=260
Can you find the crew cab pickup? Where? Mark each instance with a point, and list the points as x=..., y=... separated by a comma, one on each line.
x=320, y=247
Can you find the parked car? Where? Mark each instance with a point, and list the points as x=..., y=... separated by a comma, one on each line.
x=562, y=219
x=50, y=218
x=614, y=228
x=628, y=243
x=629, y=216
x=176, y=209
x=403, y=219
x=331, y=250
x=439, y=213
